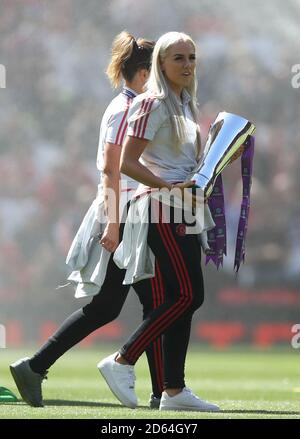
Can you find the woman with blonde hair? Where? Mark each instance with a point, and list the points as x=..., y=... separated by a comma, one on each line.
x=161, y=151
x=94, y=271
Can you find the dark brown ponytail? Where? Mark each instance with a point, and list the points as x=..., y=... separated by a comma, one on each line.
x=128, y=56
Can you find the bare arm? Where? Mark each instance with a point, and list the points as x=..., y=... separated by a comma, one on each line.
x=130, y=165
x=111, y=192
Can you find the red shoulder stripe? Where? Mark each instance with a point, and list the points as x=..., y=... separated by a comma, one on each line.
x=146, y=119
x=124, y=119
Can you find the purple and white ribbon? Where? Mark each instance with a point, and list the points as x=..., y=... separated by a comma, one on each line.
x=246, y=168
x=217, y=236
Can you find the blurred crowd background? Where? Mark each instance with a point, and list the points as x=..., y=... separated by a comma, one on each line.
x=55, y=53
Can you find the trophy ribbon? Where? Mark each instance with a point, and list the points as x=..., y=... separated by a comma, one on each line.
x=246, y=167
x=217, y=236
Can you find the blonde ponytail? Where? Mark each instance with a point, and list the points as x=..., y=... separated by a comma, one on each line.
x=122, y=48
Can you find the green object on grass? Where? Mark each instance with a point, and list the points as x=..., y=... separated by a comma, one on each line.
x=7, y=396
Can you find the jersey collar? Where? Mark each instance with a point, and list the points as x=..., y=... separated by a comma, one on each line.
x=129, y=92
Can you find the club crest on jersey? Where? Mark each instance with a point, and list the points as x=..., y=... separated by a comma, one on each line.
x=181, y=230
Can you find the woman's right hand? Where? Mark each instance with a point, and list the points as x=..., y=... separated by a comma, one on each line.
x=110, y=237
x=190, y=199
x=183, y=185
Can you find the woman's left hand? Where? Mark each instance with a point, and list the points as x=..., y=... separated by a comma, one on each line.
x=110, y=237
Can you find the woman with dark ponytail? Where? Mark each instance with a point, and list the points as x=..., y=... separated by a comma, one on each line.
x=91, y=253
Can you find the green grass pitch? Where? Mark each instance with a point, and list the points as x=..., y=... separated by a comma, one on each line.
x=244, y=382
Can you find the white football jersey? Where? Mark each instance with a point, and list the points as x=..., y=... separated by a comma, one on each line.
x=160, y=156
x=114, y=127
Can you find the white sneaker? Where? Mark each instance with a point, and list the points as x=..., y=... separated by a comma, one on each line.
x=120, y=379
x=186, y=401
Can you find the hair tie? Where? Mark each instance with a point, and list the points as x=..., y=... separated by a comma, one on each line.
x=135, y=46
